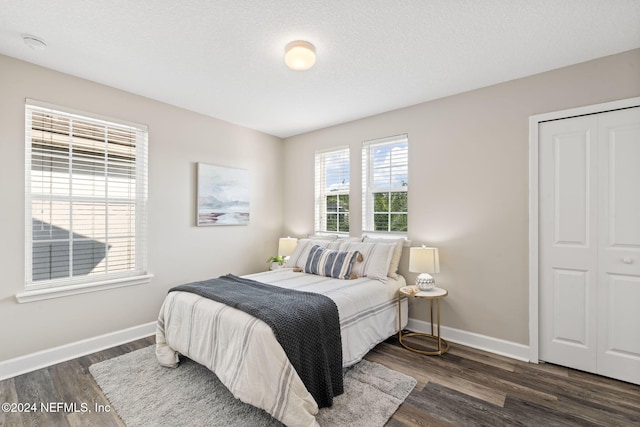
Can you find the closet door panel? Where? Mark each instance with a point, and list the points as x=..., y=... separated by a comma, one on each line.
x=568, y=242
x=619, y=253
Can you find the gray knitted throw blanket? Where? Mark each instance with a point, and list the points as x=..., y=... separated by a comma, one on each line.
x=306, y=325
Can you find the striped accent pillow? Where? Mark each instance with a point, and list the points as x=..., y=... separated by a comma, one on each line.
x=330, y=263
x=298, y=258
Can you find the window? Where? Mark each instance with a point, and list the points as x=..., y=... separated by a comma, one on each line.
x=332, y=191
x=385, y=180
x=86, y=197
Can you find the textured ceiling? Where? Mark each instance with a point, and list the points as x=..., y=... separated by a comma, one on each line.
x=225, y=58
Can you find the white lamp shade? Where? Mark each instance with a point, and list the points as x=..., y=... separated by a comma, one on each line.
x=286, y=245
x=424, y=260
x=300, y=55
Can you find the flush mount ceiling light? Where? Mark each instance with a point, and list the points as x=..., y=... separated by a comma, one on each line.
x=34, y=42
x=300, y=55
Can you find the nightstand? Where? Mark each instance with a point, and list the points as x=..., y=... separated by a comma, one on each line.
x=434, y=294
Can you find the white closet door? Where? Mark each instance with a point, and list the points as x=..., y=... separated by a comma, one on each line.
x=590, y=243
x=619, y=254
x=568, y=242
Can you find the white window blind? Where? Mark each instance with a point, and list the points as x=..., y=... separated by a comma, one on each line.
x=385, y=180
x=86, y=198
x=332, y=190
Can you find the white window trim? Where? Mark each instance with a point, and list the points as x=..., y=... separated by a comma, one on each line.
x=82, y=288
x=71, y=286
x=320, y=205
x=368, y=189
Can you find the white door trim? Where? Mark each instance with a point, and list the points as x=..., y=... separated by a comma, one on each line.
x=533, y=203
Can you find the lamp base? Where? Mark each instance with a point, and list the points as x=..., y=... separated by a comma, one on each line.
x=425, y=282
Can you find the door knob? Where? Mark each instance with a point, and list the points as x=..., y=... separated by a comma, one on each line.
x=627, y=260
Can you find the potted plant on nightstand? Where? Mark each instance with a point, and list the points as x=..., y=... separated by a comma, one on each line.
x=276, y=262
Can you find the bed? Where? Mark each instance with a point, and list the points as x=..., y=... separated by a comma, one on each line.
x=243, y=351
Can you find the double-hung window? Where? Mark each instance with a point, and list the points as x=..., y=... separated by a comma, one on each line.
x=86, y=202
x=332, y=191
x=385, y=180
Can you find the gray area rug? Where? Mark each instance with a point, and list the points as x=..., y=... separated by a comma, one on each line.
x=145, y=394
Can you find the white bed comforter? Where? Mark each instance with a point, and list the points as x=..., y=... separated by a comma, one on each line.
x=244, y=353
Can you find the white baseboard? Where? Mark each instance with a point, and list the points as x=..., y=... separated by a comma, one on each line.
x=41, y=359
x=471, y=339
x=31, y=362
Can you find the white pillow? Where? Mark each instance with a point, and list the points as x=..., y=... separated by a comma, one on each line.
x=397, y=252
x=376, y=258
x=323, y=236
x=349, y=239
x=299, y=256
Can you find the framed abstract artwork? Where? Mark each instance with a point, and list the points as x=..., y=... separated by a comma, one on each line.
x=223, y=195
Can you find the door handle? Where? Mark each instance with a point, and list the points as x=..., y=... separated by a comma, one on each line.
x=627, y=260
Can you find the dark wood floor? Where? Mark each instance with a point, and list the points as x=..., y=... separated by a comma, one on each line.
x=468, y=387
x=465, y=387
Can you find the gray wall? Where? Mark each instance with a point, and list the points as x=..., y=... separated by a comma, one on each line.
x=178, y=250
x=468, y=195
x=468, y=184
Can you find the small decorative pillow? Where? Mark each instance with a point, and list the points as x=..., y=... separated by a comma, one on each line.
x=377, y=257
x=330, y=263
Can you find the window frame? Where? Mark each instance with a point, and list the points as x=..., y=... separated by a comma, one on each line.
x=369, y=188
x=321, y=193
x=35, y=290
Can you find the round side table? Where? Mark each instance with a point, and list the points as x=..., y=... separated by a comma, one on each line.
x=431, y=295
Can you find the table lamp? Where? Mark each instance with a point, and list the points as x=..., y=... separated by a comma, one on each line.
x=286, y=246
x=424, y=260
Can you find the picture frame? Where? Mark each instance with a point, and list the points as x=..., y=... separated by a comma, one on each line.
x=223, y=196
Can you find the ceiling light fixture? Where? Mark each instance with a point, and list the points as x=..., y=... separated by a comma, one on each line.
x=300, y=55
x=34, y=42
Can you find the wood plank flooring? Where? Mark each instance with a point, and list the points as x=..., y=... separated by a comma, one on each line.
x=465, y=387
